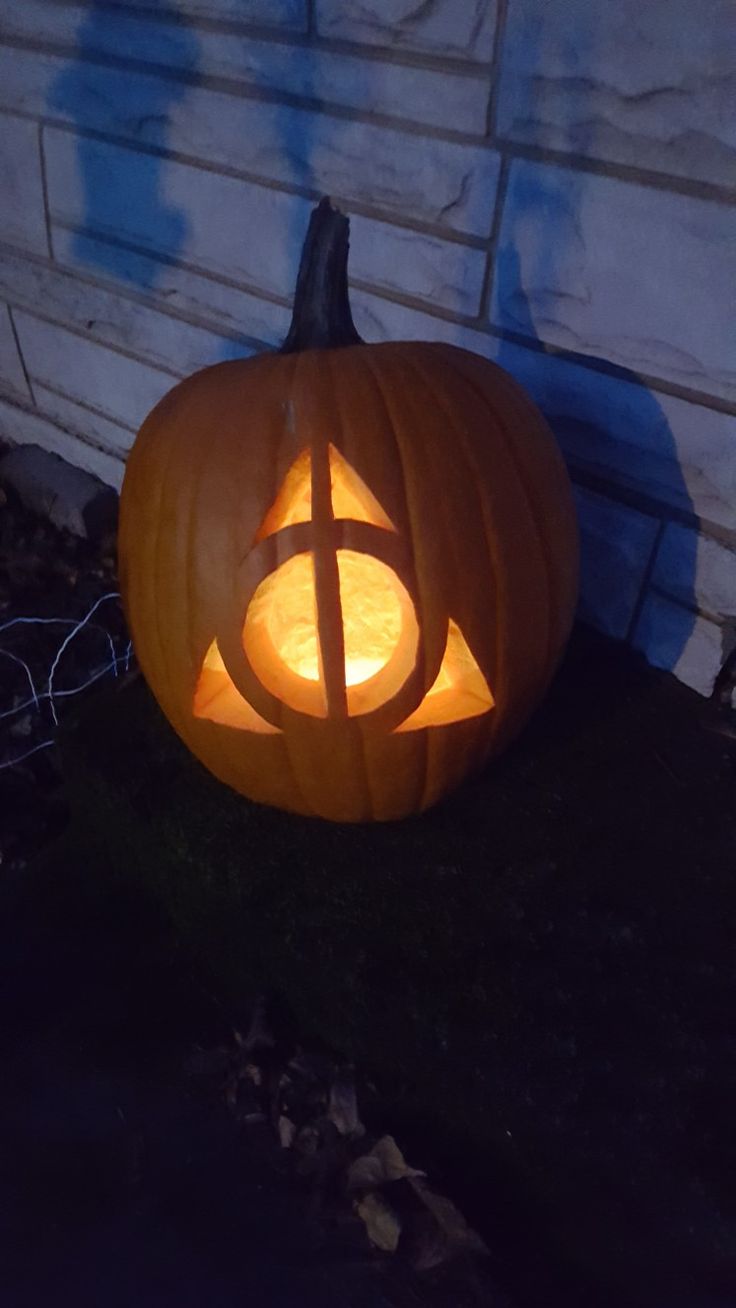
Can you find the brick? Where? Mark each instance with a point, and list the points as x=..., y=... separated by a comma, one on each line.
x=462, y=28
x=239, y=230
x=622, y=88
x=70, y=497
x=616, y=546
x=290, y=14
x=697, y=570
x=19, y=427
x=12, y=376
x=121, y=388
x=91, y=426
x=676, y=639
x=631, y=274
x=113, y=319
x=173, y=286
x=436, y=97
x=22, y=218
x=426, y=180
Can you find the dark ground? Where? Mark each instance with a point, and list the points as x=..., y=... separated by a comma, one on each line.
x=537, y=976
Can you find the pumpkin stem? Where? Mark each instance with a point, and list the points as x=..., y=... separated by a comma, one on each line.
x=321, y=318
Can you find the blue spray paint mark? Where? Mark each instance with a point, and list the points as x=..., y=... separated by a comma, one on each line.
x=123, y=188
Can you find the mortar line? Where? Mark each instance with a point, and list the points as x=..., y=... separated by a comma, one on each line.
x=45, y=190
x=496, y=66
x=16, y=338
x=492, y=255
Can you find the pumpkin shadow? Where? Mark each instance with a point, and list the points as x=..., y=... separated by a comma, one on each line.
x=623, y=459
x=611, y=427
x=123, y=193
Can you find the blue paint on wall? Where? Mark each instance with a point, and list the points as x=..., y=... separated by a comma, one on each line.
x=94, y=95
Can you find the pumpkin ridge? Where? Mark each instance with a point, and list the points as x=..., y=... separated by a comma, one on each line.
x=519, y=404
x=293, y=760
x=441, y=400
x=531, y=501
x=395, y=427
x=153, y=572
x=427, y=379
x=354, y=724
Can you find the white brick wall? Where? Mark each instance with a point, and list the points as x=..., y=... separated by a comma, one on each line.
x=584, y=264
x=22, y=220
x=436, y=97
x=648, y=85
x=548, y=182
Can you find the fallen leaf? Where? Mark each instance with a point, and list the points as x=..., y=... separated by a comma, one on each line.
x=287, y=1132
x=448, y=1218
x=385, y=1162
x=381, y=1222
x=343, y=1106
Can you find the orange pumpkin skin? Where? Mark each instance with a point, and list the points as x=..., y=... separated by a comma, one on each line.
x=463, y=464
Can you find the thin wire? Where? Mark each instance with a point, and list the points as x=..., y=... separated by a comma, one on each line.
x=112, y=594
x=67, y=622
x=71, y=690
x=21, y=662
x=13, y=762
x=50, y=694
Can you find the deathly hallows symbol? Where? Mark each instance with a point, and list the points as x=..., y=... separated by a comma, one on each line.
x=375, y=611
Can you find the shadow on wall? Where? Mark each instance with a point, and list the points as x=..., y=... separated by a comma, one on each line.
x=137, y=183
x=602, y=413
x=611, y=409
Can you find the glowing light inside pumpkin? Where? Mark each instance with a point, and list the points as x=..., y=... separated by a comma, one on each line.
x=371, y=598
x=350, y=496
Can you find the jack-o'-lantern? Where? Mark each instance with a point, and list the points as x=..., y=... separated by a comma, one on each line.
x=349, y=570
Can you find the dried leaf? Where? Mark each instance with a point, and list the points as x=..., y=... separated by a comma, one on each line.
x=385, y=1162
x=381, y=1222
x=392, y=1160
x=343, y=1107
x=366, y=1173
x=448, y=1218
x=287, y=1132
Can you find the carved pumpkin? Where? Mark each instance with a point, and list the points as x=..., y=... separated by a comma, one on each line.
x=349, y=569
